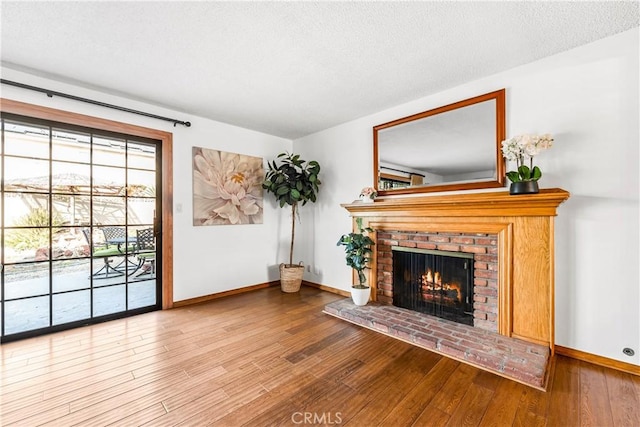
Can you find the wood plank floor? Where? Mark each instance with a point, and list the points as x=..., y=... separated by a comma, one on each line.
x=266, y=358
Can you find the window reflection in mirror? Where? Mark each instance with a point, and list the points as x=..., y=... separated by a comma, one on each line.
x=454, y=147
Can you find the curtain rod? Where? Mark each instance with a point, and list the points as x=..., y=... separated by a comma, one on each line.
x=51, y=93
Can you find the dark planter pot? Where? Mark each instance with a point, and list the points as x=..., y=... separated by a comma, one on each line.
x=524, y=187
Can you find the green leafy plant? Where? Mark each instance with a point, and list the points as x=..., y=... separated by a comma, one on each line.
x=358, y=250
x=32, y=238
x=525, y=173
x=292, y=181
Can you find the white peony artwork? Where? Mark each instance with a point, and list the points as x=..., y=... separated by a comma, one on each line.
x=227, y=188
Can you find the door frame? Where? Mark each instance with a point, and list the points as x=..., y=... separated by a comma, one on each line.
x=166, y=138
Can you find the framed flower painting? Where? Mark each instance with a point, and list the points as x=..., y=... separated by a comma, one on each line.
x=227, y=188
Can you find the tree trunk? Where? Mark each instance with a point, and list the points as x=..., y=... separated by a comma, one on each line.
x=293, y=231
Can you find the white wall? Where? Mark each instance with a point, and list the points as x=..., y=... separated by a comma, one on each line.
x=588, y=99
x=207, y=259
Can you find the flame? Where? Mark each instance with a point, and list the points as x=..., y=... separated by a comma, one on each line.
x=432, y=282
x=427, y=277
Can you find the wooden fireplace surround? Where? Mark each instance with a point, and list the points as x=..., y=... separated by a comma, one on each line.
x=524, y=225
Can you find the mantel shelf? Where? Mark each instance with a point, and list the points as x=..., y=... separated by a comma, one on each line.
x=487, y=204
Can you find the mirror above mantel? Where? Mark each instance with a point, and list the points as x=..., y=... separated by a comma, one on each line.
x=453, y=147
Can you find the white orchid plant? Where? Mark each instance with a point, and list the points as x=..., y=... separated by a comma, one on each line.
x=522, y=148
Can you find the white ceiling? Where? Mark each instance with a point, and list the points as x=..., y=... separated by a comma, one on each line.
x=291, y=68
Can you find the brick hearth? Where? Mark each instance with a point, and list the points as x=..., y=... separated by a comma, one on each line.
x=512, y=358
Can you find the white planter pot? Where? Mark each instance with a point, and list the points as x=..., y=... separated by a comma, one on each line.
x=360, y=296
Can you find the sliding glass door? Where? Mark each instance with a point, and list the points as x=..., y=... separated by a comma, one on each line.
x=80, y=226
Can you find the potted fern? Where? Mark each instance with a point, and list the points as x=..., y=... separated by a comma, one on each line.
x=358, y=250
x=292, y=181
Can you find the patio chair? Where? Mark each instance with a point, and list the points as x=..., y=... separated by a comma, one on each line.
x=126, y=245
x=105, y=251
x=146, y=252
x=114, y=233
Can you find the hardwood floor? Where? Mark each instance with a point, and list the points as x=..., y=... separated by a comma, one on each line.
x=266, y=358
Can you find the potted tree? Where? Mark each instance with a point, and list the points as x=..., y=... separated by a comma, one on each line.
x=292, y=181
x=357, y=247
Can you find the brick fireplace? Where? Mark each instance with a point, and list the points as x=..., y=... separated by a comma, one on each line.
x=512, y=241
x=523, y=230
x=482, y=246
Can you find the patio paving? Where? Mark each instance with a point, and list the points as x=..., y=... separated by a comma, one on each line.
x=75, y=303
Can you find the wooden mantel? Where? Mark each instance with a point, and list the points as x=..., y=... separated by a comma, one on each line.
x=524, y=225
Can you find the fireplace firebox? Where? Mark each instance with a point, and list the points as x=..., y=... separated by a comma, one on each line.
x=434, y=282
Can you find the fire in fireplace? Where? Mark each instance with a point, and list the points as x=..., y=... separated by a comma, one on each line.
x=434, y=282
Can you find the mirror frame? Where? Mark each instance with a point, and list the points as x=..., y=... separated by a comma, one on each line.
x=499, y=181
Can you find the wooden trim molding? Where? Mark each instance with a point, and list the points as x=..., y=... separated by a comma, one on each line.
x=598, y=360
x=327, y=288
x=166, y=138
x=211, y=297
x=524, y=226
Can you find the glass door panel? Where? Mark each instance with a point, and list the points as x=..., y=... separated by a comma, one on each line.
x=141, y=183
x=141, y=156
x=26, y=140
x=26, y=244
x=71, y=178
x=142, y=293
x=73, y=209
x=26, y=175
x=76, y=206
x=71, y=306
x=109, y=210
x=109, y=300
x=71, y=146
x=26, y=280
x=71, y=275
x=24, y=315
x=109, y=151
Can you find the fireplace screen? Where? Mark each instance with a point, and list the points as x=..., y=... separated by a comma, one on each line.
x=438, y=283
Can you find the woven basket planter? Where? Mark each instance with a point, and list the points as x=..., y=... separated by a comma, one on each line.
x=291, y=277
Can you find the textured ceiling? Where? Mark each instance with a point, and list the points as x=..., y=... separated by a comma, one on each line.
x=291, y=68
